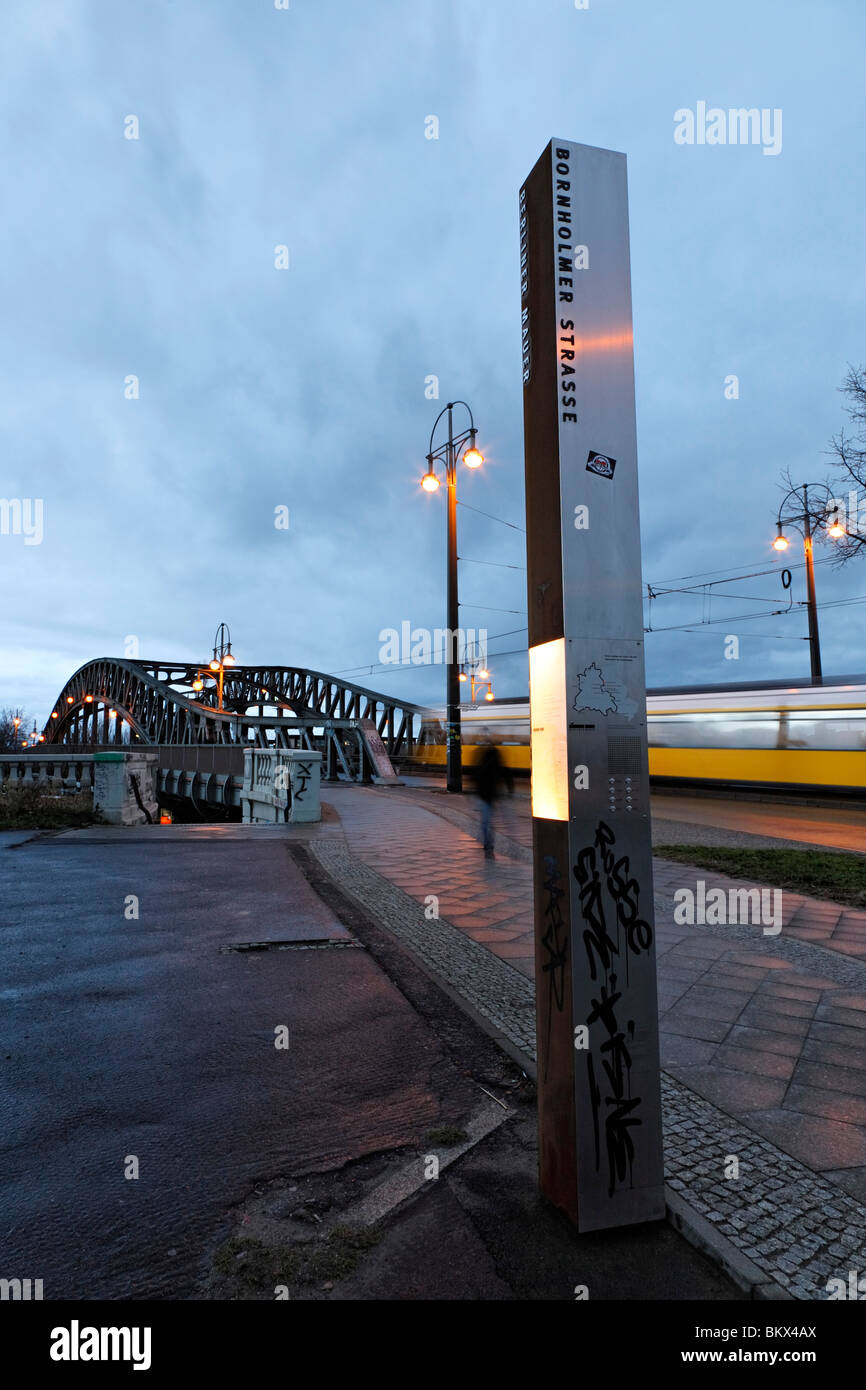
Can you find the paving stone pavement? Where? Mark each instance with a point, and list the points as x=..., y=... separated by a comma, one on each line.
x=832, y=925
x=763, y=1037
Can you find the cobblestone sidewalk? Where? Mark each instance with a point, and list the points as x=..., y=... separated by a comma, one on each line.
x=764, y=1040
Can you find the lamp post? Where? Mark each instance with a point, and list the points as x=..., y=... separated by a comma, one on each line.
x=447, y=454
x=478, y=676
x=805, y=521
x=222, y=658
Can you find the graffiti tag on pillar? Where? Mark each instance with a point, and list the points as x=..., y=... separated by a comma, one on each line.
x=601, y=875
x=555, y=939
x=302, y=777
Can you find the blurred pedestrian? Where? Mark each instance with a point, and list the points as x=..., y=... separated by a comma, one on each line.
x=490, y=774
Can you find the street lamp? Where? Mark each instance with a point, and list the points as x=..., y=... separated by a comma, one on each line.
x=447, y=454
x=222, y=659
x=805, y=521
x=478, y=677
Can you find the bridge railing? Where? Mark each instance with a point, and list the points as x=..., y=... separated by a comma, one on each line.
x=53, y=771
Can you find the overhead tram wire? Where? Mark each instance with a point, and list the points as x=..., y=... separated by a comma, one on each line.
x=735, y=578
x=378, y=667
x=660, y=586
x=695, y=626
x=485, y=608
x=659, y=589
x=491, y=517
x=468, y=561
x=691, y=584
x=393, y=666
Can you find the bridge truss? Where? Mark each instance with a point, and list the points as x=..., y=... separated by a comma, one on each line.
x=113, y=702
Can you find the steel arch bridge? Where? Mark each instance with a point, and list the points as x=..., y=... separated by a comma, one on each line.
x=111, y=701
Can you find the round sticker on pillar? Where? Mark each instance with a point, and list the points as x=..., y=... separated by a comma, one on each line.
x=602, y=464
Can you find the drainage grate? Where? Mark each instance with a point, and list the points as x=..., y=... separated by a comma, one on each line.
x=320, y=944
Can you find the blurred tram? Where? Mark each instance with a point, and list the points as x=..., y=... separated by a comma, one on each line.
x=774, y=735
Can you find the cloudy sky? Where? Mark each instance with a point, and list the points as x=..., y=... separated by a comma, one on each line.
x=304, y=388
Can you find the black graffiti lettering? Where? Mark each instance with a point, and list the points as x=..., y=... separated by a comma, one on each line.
x=618, y=1065
x=640, y=936
x=614, y=1051
x=624, y=891
x=604, y=836
x=555, y=939
x=620, y=1147
x=603, y=1008
x=599, y=945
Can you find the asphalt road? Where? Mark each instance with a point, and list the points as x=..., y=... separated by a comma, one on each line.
x=145, y=1037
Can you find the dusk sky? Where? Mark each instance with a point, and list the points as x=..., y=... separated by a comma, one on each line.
x=304, y=387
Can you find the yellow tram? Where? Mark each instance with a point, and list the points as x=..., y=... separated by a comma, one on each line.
x=785, y=736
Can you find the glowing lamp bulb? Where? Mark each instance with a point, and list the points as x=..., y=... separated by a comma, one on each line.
x=472, y=458
x=463, y=676
x=88, y=699
x=836, y=529
x=70, y=700
x=55, y=715
x=228, y=660
x=430, y=482
x=489, y=695
x=483, y=675
x=198, y=683
x=780, y=543
x=213, y=665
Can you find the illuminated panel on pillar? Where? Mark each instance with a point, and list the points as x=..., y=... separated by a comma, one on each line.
x=549, y=732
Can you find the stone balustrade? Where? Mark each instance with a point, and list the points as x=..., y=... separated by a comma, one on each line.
x=53, y=772
x=281, y=784
x=123, y=784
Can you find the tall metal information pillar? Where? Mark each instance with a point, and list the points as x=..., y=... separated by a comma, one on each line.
x=600, y=1145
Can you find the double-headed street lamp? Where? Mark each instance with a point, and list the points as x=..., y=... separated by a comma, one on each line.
x=805, y=519
x=478, y=675
x=222, y=658
x=447, y=453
